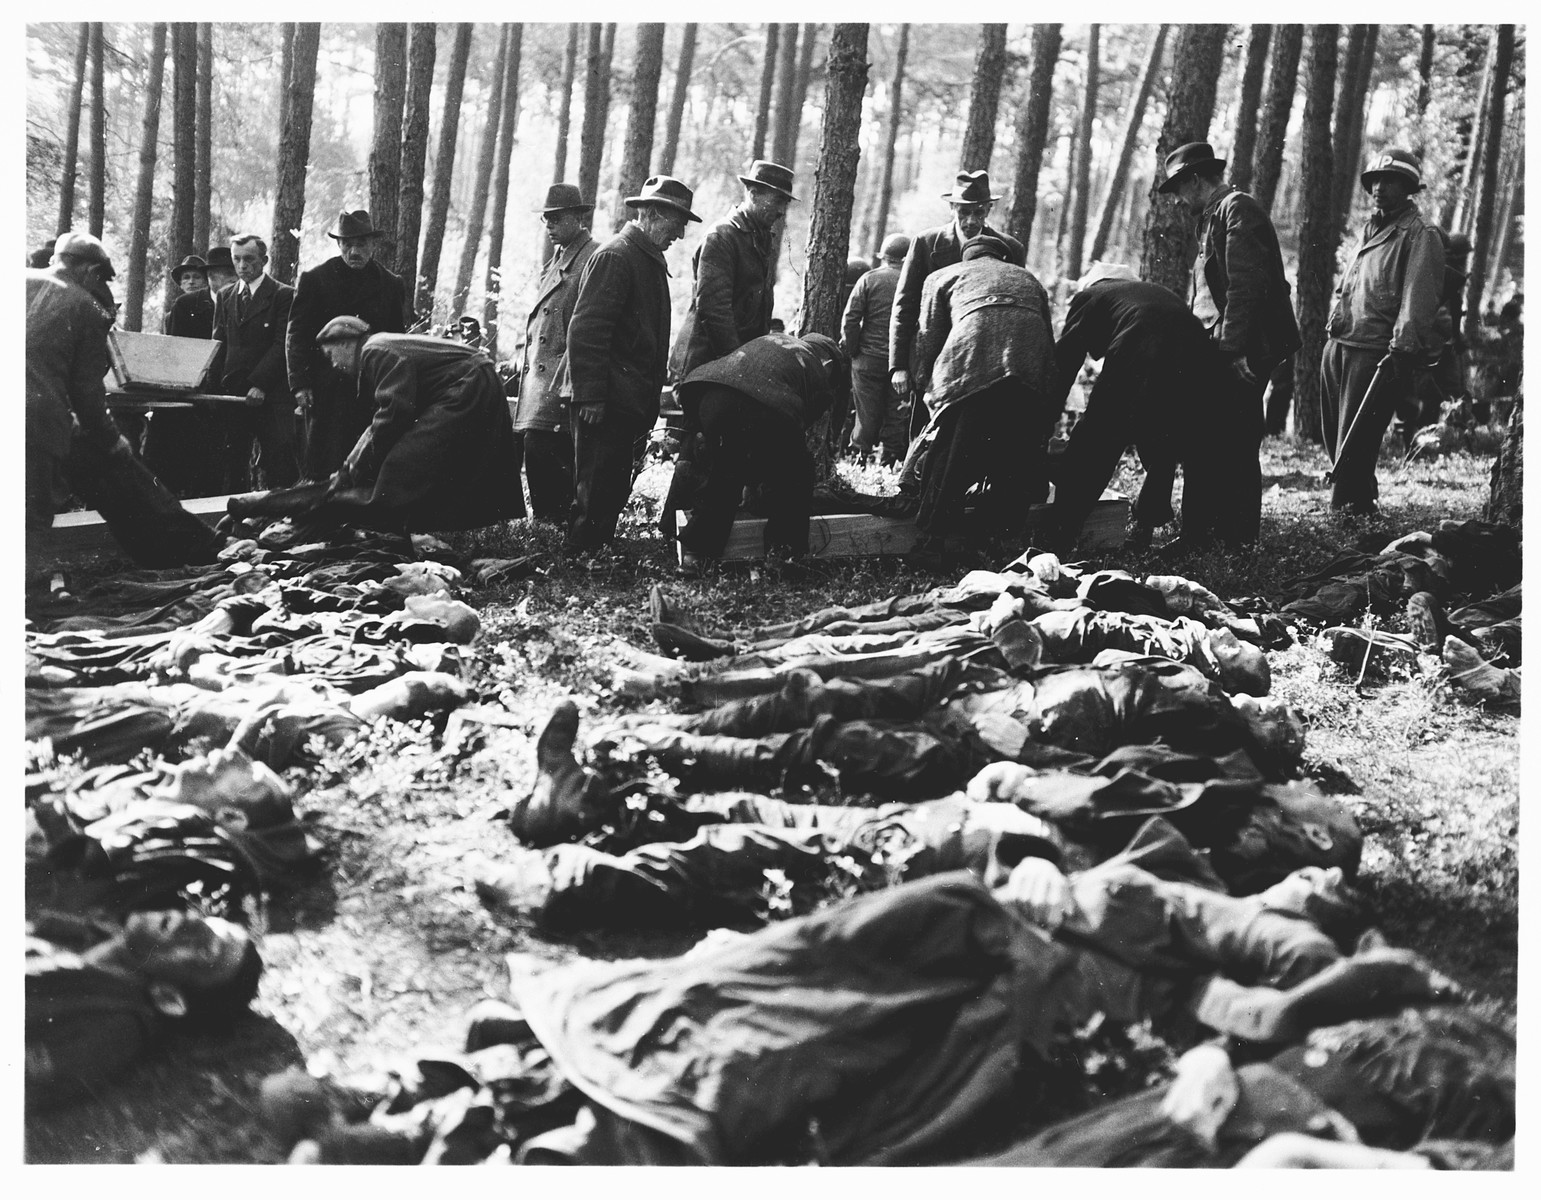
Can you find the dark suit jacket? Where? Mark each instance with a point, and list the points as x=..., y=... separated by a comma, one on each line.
x=190, y=315
x=1245, y=274
x=334, y=289
x=618, y=342
x=930, y=251
x=252, y=353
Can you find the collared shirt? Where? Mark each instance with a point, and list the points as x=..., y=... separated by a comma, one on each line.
x=1200, y=299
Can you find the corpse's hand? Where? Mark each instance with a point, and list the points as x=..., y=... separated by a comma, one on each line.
x=1039, y=891
x=256, y=397
x=1303, y=1150
x=999, y=781
x=1203, y=1093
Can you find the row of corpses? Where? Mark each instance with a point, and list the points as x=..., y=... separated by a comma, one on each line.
x=989, y=814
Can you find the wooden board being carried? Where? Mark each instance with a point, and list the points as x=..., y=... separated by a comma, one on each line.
x=155, y=360
x=86, y=531
x=860, y=535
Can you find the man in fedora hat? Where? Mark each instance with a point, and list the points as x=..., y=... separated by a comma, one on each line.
x=617, y=355
x=191, y=313
x=881, y=417
x=734, y=272
x=352, y=284
x=1239, y=292
x=1382, y=322
x=542, y=422
x=932, y=250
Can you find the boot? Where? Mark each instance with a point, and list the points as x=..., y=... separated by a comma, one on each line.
x=1478, y=678
x=567, y=801
x=1425, y=621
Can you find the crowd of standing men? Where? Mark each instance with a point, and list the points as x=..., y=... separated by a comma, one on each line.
x=946, y=347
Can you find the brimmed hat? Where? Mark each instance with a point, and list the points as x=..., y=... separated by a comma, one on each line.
x=665, y=189
x=970, y=187
x=1187, y=160
x=1100, y=270
x=219, y=256
x=354, y=224
x=1398, y=163
x=770, y=175
x=342, y=329
x=562, y=197
x=895, y=245
x=984, y=244
x=191, y=263
x=84, y=247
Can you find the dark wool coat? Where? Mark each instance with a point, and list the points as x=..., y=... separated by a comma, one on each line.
x=1239, y=255
x=618, y=342
x=930, y=251
x=437, y=454
x=335, y=289
x=777, y=370
x=66, y=364
x=191, y=316
x=253, y=353
x=733, y=295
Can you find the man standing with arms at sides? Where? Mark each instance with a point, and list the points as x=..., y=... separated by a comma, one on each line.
x=1382, y=326
x=881, y=417
x=250, y=319
x=617, y=353
x=1239, y=292
x=930, y=251
x=542, y=423
x=735, y=276
x=354, y=285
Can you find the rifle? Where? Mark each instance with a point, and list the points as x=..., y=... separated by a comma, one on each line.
x=1372, y=395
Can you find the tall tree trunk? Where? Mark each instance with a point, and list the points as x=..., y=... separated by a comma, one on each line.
x=508, y=126
x=1131, y=139
x=1458, y=208
x=144, y=193
x=1353, y=148
x=1506, y=483
x=1345, y=174
x=304, y=38
x=1033, y=132
x=1318, y=229
x=1425, y=71
x=786, y=88
x=596, y=111
x=422, y=52
x=203, y=143
x=184, y=62
x=476, y=217
x=71, y=163
x=1512, y=188
x=767, y=89
x=1482, y=226
x=800, y=92
x=1167, y=256
x=687, y=61
x=1248, y=105
x=385, y=149
x=642, y=115
x=891, y=141
x=1080, y=204
x=443, y=169
x=834, y=195
x=565, y=111
x=984, y=99
x=1066, y=199
x=1283, y=79
x=96, y=194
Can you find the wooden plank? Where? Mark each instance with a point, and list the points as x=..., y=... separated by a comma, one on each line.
x=85, y=530
x=157, y=360
x=149, y=399
x=860, y=535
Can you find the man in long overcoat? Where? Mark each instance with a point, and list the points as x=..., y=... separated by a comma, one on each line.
x=351, y=284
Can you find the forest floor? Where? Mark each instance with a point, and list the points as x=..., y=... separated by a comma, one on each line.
x=382, y=954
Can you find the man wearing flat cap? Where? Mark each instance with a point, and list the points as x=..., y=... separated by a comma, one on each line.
x=881, y=417
x=1239, y=292
x=352, y=284
x=617, y=355
x=932, y=250
x=734, y=272
x=1382, y=322
x=542, y=422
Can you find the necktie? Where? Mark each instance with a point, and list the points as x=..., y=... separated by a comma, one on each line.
x=241, y=297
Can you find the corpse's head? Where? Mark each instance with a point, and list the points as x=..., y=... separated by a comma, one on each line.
x=240, y=792
x=1240, y=666
x=1321, y=896
x=1278, y=728
x=201, y=968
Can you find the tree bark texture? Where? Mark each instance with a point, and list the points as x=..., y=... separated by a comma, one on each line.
x=1249, y=105
x=1353, y=148
x=204, y=142
x=767, y=90
x=1514, y=179
x=422, y=52
x=1131, y=139
x=443, y=169
x=294, y=150
x=1506, y=483
x=786, y=89
x=834, y=196
x=72, y=131
x=596, y=111
x=1168, y=252
x=476, y=217
x=385, y=149
x=1425, y=71
x=144, y=192
x=1033, y=132
x=565, y=111
x=891, y=141
x=687, y=62
x=1457, y=211
x=96, y=192
x=1080, y=202
x=1318, y=230
x=1345, y=175
x=508, y=127
x=1482, y=225
x=1283, y=78
x=642, y=115
x=984, y=99
x=184, y=62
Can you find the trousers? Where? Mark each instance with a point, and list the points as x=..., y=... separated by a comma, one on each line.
x=1347, y=372
x=604, y=462
x=882, y=418
x=547, y=456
